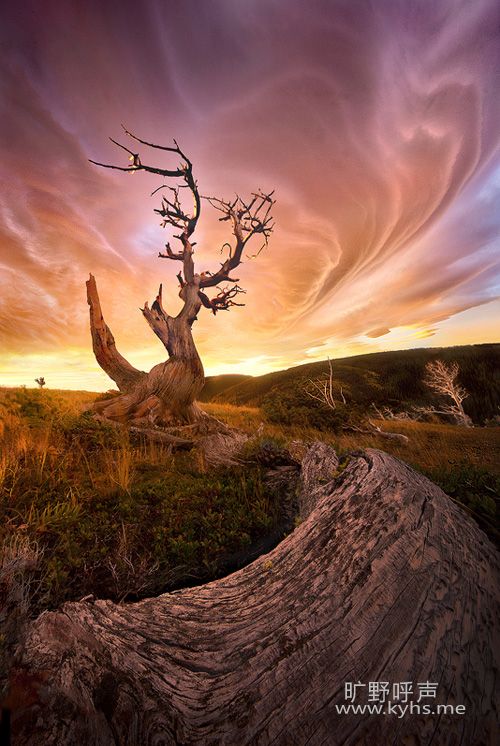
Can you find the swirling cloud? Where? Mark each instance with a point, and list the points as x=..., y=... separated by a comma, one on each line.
x=375, y=122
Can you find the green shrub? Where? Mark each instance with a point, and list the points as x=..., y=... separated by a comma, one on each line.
x=290, y=405
x=178, y=522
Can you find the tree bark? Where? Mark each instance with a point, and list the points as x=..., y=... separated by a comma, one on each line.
x=384, y=580
x=111, y=361
x=167, y=394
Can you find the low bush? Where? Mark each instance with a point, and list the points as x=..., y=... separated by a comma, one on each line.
x=290, y=405
x=114, y=517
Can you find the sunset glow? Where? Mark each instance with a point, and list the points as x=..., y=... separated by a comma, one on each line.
x=376, y=123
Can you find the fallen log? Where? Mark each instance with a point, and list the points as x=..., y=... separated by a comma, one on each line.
x=385, y=580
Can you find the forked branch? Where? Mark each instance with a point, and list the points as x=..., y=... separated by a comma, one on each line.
x=224, y=300
x=322, y=389
x=171, y=209
x=248, y=220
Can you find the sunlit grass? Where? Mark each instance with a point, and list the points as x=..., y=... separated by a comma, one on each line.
x=430, y=445
x=111, y=515
x=119, y=517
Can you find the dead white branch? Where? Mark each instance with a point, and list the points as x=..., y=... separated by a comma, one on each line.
x=442, y=378
x=322, y=389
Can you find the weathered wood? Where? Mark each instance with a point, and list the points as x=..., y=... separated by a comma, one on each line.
x=384, y=580
x=167, y=395
x=111, y=361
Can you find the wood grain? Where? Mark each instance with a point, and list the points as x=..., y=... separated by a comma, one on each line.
x=384, y=580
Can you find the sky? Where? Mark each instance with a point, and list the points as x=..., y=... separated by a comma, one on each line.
x=376, y=122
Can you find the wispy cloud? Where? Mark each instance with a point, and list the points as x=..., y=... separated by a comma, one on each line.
x=376, y=124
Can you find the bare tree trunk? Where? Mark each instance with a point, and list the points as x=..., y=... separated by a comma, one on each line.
x=385, y=580
x=166, y=395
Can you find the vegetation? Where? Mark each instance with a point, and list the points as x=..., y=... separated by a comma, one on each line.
x=394, y=379
x=475, y=489
x=464, y=462
x=114, y=517
x=89, y=509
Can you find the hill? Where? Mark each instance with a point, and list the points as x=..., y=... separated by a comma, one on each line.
x=392, y=379
x=217, y=385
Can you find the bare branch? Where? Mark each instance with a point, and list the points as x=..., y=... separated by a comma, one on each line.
x=178, y=256
x=442, y=378
x=391, y=436
x=247, y=220
x=224, y=300
x=171, y=210
x=322, y=390
x=137, y=165
x=103, y=342
x=175, y=149
x=157, y=318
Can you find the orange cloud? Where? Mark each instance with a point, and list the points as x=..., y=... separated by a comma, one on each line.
x=377, y=126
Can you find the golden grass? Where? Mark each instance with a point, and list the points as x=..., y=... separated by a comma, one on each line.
x=40, y=448
x=430, y=445
x=119, y=465
x=34, y=451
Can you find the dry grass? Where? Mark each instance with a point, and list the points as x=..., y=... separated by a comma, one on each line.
x=112, y=516
x=99, y=506
x=33, y=443
x=430, y=446
x=40, y=447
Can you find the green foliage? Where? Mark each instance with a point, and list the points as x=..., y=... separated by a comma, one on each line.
x=267, y=452
x=181, y=522
x=290, y=405
x=114, y=518
x=37, y=406
x=84, y=431
x=393, y=379
x=254, y=447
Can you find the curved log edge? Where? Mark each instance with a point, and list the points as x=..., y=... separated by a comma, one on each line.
x=384, y=580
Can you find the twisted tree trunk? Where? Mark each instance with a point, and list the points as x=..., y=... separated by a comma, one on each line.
x=385, y=580
x=166, y=395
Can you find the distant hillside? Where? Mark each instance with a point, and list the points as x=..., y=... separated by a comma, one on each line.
x=386, y=378
x=217, y=385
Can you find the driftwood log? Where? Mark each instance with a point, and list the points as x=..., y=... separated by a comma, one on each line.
x=384, y=580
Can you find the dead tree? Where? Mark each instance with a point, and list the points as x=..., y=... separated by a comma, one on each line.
x=384, y=580
x=40, y=381
x=322, y=390
x=443, y=380
x=167, y=394
x=386, y=413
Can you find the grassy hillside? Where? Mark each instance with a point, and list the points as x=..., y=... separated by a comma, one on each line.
x=393, y=379
x=217, y=385
x=96, y=511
